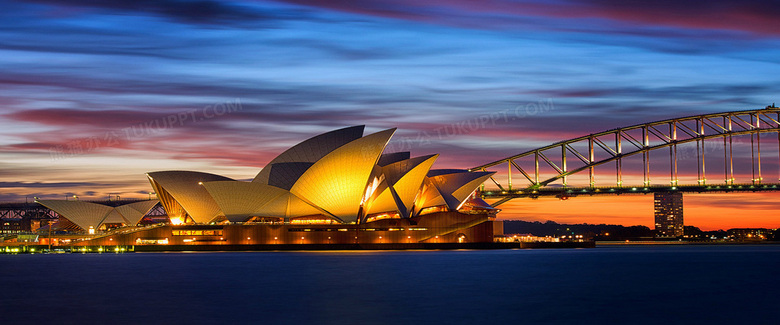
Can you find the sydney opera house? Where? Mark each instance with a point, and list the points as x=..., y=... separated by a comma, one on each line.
x=335, y=188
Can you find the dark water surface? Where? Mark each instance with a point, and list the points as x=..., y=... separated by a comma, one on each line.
x=621, y=285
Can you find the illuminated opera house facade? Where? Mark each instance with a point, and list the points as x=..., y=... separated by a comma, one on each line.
x=335, y=188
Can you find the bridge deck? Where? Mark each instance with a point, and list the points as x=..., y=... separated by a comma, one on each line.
x=565, y=192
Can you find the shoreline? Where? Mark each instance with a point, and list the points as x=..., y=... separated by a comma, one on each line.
x=37, y=249
x=675, y=242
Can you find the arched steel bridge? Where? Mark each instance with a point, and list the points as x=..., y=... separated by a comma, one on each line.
x=552, y=166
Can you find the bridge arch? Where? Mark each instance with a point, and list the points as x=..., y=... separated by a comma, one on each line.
x=620, y=143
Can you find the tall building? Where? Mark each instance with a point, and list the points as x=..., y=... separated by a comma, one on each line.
x=669, y=214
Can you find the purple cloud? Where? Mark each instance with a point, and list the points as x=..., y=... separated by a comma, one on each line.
x=754, y=17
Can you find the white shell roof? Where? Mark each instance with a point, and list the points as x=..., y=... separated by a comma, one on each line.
x=455, y=186
x=405, y=179
x=81, y=213
x=186, y=189
x=241, y=200
x=337, y=182
x=312, y=150
x=134, y=212
x=88, y=214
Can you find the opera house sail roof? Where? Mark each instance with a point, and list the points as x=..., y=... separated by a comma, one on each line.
x=241, y=200
x=337, y=182
x=182, y=195
x=310, y=151
x=400, y=184
x=86, y=215
x=341, y=176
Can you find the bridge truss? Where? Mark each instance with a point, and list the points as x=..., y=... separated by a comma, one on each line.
x=34, y=210
x=26, y=210
x=557, y=162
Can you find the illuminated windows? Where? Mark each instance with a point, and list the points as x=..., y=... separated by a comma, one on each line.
x=197, y=232
x=151, y=241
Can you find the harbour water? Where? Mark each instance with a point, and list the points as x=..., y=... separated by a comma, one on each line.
x=613, y=285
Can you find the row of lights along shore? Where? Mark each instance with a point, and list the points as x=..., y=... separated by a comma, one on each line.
x=276, y=239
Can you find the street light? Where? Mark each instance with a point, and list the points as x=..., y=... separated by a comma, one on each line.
x=50, y=226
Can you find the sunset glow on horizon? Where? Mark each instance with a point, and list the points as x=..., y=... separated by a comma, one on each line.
x=97, y=93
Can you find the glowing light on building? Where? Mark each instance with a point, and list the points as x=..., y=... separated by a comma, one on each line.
x=331, y=187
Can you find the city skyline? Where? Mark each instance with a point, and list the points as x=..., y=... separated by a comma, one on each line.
x=95, y=94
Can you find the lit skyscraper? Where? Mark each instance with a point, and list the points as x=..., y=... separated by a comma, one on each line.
x=669, y=214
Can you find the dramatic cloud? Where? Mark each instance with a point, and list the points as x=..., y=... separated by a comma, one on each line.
x=50, y=185
x=755, y=16
x=96, y=92
x=198, y=12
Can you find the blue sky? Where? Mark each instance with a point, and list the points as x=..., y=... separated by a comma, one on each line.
x=78, y=76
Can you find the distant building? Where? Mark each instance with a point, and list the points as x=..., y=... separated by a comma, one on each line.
x=19, y=218
x=668, y=214
x=756, y=234
x=525, y=238
x=14, y=225
x=22, y=225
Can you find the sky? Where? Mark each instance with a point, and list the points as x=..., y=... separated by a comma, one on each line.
x=94, y=93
